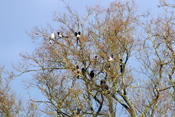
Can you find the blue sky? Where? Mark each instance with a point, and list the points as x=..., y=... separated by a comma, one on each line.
x=16, y=16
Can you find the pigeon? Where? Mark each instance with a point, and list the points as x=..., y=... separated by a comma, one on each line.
x=77, y=34
x=92, y=74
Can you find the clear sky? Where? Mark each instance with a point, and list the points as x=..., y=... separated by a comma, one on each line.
x=16, y=16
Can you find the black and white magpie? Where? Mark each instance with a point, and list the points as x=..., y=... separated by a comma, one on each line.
x=110, y=58
x=59, y=35
x=77, y=34
x=52, y=37
x=96, y=58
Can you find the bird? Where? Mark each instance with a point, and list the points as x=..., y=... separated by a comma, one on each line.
x=92, y=74
x=121, y=66
x=59, y=35
x=96, y=57
x=83, y=71
x=78, y=71
x=52, y=37
x=77, y=34
x=50, y=41
x=104, y=85
x=110, y=58
x=78, y=111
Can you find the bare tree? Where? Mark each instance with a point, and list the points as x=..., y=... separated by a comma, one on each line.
x=83, y=68
x=10, y=106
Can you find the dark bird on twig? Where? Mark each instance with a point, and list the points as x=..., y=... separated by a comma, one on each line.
x=83, y=71
x=78, y=71
x=104, y=85
x=77, y=34
x=78, y=111
x=92, y=74
x=121, y=66
x=96, y=58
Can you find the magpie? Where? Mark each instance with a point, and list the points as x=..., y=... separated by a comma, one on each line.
x=52, y=37
x=50, y=41
x=77, y=34
x=59, y=35
x=96, y=57
x=92, y=74
x=110, y=58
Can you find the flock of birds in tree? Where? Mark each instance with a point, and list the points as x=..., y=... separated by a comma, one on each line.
x=103, y=84
x=53, y=36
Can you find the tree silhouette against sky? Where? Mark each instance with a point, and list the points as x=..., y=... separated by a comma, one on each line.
x=107, y=63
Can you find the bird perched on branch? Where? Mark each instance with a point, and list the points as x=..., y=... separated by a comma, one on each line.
x=121, y=66
x=60, y=35
x=77, y=71
x=83, y=71
x=92, y=74
x=77, y=34
x=52, y=37
x=96, y=58
x=78, y=111
x=111, y=58
x=104, y=85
